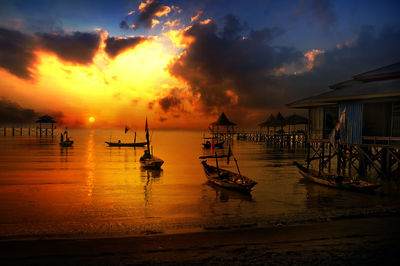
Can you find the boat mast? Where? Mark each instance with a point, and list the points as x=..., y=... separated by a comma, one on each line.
x=134, y=140
x=216, y=162
x=147, y=137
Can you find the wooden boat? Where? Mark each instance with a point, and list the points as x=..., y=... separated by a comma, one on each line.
x=148, y=160
x=340, y=182
x=225, y=178
x=208, y=144
x=126, y=144
x=67, y=142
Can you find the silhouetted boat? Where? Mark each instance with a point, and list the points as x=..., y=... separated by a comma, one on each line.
x=334, y=181
x=208, y=144
x=225, y=178
x=126, y=144
x=67, y=142
x=148, y=160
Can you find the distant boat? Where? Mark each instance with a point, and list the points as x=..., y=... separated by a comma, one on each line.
x=67, y=142
x=148, y=160
x=208, y=144
x=225, y=178
x=126, y=144
x=334, y=181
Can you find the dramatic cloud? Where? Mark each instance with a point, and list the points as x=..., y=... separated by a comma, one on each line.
x=149, y=11
x=230, y=72
x=115, y=46
x=171, y=102
x=13, y=114
x=78, y=47
x=226, y=69
x=16, y=54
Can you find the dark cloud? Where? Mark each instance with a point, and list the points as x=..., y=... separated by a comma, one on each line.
x=13, y=114
x=322, y=10
x=78, y=47
x=163, y=119
x=244, y=74
x=115, y=46
x=232, y=27
x=149, y=11
x=266, y=34
x=227, y=70
x=369, y=50
x=16, y=55
x=124, y=25
x=170, y=102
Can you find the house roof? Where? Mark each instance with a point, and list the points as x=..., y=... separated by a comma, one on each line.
x=223, y=121
x=389, y=71
x=357, y=91
x=378, y=83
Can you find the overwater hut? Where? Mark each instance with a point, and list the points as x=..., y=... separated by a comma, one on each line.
x=368, y=106
x=47, y=123
x=223, y=127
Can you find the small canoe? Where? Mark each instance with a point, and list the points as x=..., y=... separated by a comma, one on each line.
x=208, y=144
x=227, y=179
x=151, y=163
x=66, y=143
x=126, y=144
x=334, y=181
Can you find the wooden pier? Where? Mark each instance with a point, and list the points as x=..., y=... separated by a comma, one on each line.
x=364, y=161
x=26, y=131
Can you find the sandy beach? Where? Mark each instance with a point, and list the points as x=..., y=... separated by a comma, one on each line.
x=361, y=241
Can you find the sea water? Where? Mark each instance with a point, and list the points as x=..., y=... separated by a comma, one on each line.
x=92, y=190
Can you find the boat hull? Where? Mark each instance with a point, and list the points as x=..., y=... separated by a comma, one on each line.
x=339, y=182
x=151, y=163
x=66, y=143
x=121, y=144
x=228, y=179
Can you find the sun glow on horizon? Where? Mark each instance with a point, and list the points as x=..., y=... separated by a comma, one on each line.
x=92, y=119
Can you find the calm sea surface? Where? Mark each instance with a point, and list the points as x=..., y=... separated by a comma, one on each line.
x=91, y=190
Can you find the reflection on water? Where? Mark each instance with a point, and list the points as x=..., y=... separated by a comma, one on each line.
x=91, y=189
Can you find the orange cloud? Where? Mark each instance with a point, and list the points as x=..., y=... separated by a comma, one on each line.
x=311, y=57
x=196, y=17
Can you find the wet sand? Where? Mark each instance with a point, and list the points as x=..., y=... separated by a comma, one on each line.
x=361, y=241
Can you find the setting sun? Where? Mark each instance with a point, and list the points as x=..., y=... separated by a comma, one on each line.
x=92, y=119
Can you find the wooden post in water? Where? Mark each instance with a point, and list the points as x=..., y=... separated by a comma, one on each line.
x=29, y=130
x=40, y=129
x=46, y=131
x=5, y=131
x=20, y=133
x=13, y=132
x=216, y=162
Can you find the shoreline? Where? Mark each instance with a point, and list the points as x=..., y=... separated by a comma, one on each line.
x=371, y=240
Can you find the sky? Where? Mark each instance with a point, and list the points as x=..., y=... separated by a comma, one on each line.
x=182, y=63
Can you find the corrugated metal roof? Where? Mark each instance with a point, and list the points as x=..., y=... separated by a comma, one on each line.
x=383, y=72
x=361, y=90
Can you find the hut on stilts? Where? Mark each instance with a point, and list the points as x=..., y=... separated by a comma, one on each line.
x=354, y=128
x=223, y=128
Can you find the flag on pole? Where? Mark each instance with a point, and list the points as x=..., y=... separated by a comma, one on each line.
x=126, y=129
x=336, y=133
